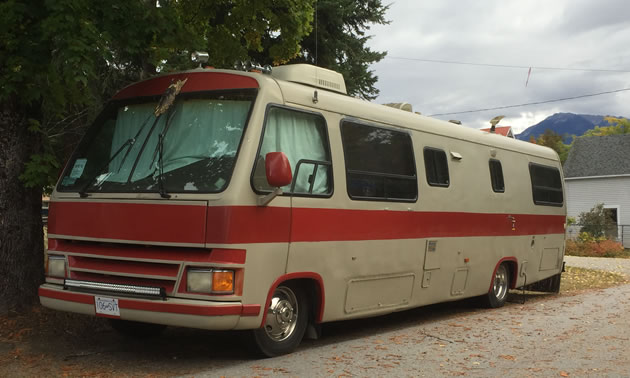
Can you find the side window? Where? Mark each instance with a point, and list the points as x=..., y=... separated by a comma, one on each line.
x=436, y=165
x=546, y=185
x=496, y=176
x=379, y=163
x=302, y=137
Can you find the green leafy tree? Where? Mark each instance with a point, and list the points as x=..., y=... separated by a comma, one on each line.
x=59, y=60
x=338, y=42
x=553, y=140
x=620, y=126
x=598, y=223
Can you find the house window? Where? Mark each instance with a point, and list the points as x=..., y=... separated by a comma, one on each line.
x=380, y=164
x=303, y=139
x=546, y=185
x=496, y=176
x=436, y=167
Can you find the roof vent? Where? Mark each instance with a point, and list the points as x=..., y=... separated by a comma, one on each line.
x=400, y=105
x=312, y=76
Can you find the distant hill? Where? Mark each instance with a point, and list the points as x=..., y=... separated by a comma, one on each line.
x=565, y=124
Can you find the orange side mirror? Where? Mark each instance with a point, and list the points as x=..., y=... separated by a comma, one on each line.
x=278, y=169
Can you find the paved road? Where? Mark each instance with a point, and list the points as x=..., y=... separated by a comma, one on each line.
x=587, y=334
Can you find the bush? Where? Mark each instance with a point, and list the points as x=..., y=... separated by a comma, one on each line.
x=598, y=223
x=591, y=247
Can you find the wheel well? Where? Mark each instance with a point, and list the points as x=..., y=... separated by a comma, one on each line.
x=512, y=269
x=314, y=295
x=512, y=265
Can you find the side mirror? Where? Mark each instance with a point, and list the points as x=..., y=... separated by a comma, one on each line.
x=278, y=171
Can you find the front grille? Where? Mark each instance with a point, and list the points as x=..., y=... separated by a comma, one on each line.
x=135, y=266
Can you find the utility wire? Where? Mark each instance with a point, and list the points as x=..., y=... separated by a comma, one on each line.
x=532, y=103
x=506, y=65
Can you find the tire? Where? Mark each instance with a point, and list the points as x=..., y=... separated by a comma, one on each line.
x=285, y=324
x=137, y=330
x=497, y=295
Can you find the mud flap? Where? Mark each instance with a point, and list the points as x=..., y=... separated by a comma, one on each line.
x=548, y=285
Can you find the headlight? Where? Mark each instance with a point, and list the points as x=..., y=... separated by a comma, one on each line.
x=210, y=281
x=56, y=266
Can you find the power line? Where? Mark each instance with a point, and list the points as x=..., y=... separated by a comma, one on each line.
x=506, y=65
x=533, y=103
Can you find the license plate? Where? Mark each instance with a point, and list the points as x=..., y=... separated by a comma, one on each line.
x=107, y=306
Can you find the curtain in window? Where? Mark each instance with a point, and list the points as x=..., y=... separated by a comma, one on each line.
x=297, y=135
x=129, y=121
x=197, y=130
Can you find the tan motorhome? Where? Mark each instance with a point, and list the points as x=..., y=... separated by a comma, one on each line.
x=273, y=202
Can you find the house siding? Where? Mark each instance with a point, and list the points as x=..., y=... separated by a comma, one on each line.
x=584, y=193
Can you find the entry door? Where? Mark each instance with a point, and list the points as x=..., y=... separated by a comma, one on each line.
x=302, y=136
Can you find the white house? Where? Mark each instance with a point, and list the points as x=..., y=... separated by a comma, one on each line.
x=597, y=170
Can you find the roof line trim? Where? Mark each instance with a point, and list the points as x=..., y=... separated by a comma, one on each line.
x=595, y=177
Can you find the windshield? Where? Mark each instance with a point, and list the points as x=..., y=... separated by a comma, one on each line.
x=192, y=146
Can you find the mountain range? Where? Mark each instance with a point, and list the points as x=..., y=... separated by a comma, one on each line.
x=566, y=124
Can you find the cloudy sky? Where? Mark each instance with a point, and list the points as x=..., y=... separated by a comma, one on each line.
x=587, y=40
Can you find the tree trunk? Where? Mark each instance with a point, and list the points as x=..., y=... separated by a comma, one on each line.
x=21, y=235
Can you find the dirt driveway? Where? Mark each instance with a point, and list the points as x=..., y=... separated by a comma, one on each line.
x=584, y=334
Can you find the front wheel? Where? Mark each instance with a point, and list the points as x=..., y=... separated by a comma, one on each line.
x=287, y=318
x=497, y=295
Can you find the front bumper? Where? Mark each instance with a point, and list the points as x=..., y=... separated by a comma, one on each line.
x=171, y=311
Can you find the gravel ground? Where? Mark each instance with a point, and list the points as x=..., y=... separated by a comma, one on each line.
x=582, y=335
x=586, y=333
x=600, y=263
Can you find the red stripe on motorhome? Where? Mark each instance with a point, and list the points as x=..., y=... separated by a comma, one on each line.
x=252, y=224
x=176, y=254
x=221, y=310
x=336, y=225
x=197, y=82
x=243, y=224
x=168, y=223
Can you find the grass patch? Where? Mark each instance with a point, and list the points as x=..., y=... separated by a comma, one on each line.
x=577, y=279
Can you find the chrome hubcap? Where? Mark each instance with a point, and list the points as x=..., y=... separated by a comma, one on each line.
x=282, y=314
x=500, y=287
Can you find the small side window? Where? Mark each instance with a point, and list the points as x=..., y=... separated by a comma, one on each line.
x=496, y=176
x=546, y=185
x=436, y=165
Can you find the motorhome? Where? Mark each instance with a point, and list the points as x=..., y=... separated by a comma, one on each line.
x=269, y=200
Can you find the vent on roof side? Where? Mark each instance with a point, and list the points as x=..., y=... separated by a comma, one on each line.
x=312, y=76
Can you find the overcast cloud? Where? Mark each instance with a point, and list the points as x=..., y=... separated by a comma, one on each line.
x=560, y=33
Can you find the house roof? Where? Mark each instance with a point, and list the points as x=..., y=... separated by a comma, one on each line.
x=599, y=156
x=502, y=130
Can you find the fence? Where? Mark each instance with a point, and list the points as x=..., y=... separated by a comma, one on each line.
x=620, y=233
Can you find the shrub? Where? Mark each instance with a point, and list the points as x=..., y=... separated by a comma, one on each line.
x=587, y=246
x=598, y=223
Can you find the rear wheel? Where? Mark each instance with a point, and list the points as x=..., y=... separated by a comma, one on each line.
x=285, y=324
x=137, y=330
x=497, y=295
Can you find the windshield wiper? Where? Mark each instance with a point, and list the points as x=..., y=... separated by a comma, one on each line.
x=167, y=99
x=163, y=192
x=159, y=149
x=128, y=143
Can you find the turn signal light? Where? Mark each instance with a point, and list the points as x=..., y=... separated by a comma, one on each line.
x=223, y=281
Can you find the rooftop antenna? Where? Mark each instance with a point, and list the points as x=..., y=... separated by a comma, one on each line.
x=494, y=122
x=316, y=32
